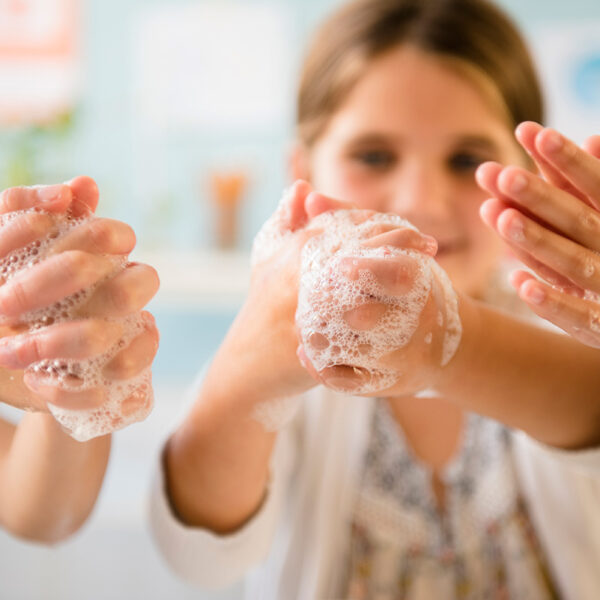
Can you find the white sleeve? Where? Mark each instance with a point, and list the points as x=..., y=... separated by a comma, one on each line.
x=586, y=460
x=561, y=489
x=213, y=561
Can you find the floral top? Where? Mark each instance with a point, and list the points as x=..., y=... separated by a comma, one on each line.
x=481, y=546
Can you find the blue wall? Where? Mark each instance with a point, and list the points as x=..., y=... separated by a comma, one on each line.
x=103, y=142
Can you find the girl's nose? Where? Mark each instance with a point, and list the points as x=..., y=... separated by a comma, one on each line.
x=421, y=195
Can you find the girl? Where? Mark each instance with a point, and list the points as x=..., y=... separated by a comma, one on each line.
x=48, y=481
x=408, y=495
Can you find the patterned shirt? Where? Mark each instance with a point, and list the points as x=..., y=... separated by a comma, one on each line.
x=480, y=546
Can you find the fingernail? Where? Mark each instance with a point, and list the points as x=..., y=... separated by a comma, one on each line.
x=516, y=230
x=553, y=142
x=32, y=382
x=519, y=183
x=349, y=268
x=341, y=384
x=7, y=353
x=430, y=245
x=300, y=355
x=535, y=294
x=49, y=193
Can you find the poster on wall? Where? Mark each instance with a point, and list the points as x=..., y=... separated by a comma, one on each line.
x=568, y=57
x=39, y=60
x=221, y=65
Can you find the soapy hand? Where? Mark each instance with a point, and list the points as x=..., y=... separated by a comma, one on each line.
x=553, y=226
x=376, y=314
x=269, y=320
x=68, y=297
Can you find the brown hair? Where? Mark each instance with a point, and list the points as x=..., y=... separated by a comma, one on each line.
x=473, y=33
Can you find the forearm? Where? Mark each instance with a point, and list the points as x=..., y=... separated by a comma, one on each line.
x=526, y=377
x=217, y=462
x=49, y=481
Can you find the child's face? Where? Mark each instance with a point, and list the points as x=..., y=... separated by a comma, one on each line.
x=408, y=140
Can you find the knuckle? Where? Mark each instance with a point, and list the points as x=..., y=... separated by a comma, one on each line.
x=76, y=265
x=35, y=350
x=594, y=321
x=154, y=279
x=121, y=298
x=538, y=193
x=534, y=236
x=32, y=223
x=569, y=155
x=101, y=236
x=19, y=298
x=123, y=366
x=91, y=339
x=587, y=221
x=97, y=337
x=9, y=199
x=580, y=262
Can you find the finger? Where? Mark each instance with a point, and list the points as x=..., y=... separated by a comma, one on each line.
x=343, y=378
x=134, y=358
x=404, y=238
x=51, y=280
x=23, y=230
x=125, y=293
x=548, y=274
x=578, y=166
x=317, y=204
x=74, y=339
x=552, y=206
x=556, y=280
x=526, y=134
x=140, y=398
x=577, y=264
x=490, y=212
x=519, y=277
x=292, y=207
x=592, y=145
x=365, y=317
x=67, y=399
x=395, y=274
x=305, y=362
x=97, y=236
x=486, y=176
x=85, y=195
x=577, y=317
x=491, y=209
x=51, y=198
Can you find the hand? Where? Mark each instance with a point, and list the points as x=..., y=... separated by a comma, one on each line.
x=267, y=321
x=553, y=226
x=375, y=313
x=86, y=253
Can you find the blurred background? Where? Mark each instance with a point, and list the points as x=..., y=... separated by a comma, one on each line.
x=182, y=110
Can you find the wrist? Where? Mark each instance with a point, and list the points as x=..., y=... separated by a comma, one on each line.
x=257, y=362
x=453, y=373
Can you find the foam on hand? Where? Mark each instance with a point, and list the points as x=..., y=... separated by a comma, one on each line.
x=127, y=401
x=326, y=295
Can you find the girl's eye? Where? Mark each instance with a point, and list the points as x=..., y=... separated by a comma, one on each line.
x=463, y=162
x=375, y=159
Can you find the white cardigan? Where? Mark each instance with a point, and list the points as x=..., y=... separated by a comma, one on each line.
x=291, y=548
